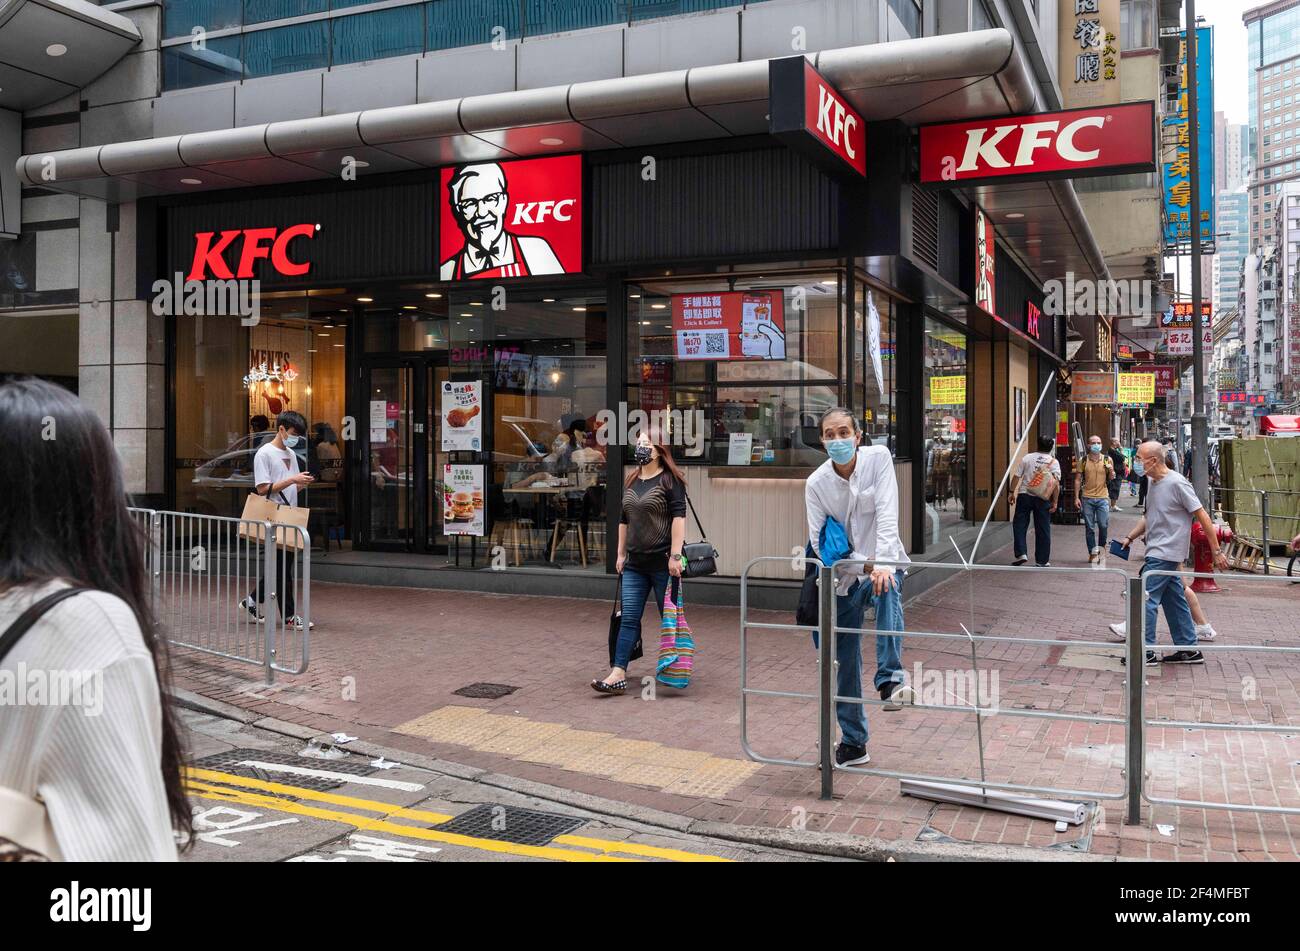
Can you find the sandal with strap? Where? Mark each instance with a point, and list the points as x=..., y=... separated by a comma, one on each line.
x=619, y=686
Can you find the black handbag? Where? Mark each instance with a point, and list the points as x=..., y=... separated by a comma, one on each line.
x=701, y=557
x=616, y=623
x=807, y=614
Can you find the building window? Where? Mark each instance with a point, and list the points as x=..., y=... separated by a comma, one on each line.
x=287, y=49
x=759, y=367
x=981, y=19
x=1137, y=24
x=909, y=15
x=384, y=33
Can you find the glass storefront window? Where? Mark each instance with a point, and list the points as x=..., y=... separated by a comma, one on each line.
x=945, y=382
x=232, y=381
x=756, y=355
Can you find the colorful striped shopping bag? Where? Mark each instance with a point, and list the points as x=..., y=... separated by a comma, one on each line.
x=676, y=644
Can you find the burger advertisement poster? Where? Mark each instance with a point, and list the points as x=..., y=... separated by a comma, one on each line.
x=510, y=219
x=462, y=500
x=730, y=325
x=462, y=416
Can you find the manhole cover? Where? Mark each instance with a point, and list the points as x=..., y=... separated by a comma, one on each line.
x=234, y=761
x=508, y=824
x=485, y=691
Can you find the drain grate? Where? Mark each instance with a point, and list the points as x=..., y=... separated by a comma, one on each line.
x=230, y=760
x=485, y=691
x=508, y=824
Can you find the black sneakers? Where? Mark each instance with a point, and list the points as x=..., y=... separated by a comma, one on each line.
x=1152, y=660
x=1184, y=657
x=846, y=755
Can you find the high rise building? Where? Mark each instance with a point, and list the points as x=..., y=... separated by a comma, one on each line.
x=1233, y=219
x=1274, y=105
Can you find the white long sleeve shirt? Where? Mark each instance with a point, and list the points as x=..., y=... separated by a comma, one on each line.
x=99, y=775
x=871, y=494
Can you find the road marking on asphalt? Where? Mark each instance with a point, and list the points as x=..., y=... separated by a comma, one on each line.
x=198, y=787
x=330, y=774
x=218, y=794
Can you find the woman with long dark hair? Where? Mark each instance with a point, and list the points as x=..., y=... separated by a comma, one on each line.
x=106, y=760
x=651, y=533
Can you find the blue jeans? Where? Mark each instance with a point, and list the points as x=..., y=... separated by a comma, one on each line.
x=1096, y=522
x=849, y=611
x=636, y=588
x=1040, y=509
x=1167, y=591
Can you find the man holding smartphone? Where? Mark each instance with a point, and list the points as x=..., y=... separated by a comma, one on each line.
x=277, y=475
x=1172, y=505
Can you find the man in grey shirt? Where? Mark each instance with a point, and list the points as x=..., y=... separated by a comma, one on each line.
x=1167, y=525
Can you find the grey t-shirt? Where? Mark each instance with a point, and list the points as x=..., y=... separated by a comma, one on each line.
x=1170, y=504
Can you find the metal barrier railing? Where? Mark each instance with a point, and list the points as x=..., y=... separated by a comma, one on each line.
x=827, y=697
x=233, y=588
x=1135, y=721
x=1138, y=648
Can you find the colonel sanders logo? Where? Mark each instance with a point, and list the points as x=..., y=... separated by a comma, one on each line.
x=479, y=198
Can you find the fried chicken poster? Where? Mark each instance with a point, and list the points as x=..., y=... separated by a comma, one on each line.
x=462, y=416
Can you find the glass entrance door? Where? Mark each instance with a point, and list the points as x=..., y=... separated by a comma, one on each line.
x=403, y=456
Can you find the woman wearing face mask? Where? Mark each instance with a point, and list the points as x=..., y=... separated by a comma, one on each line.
x=650, y=537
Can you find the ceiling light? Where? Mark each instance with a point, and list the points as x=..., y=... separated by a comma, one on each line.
x=551, y=140
x=830, y=283
x=191, y=181
x=338, y=345
x=476, y=303
x=322, y=335
x=55, y=49
x=548, y=300
x=1049, y=260
x=467, y=315
x=579, y=309
x=311, y=349
x=658, y=306
x=634, y=295
x=645, y=323
x=408, y=307
x=329, y=326
x=365, y=300
x=1015, y=214
x=433, y=296
x=1033, y=241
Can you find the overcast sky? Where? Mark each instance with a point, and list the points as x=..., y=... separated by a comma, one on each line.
x=1230, y=70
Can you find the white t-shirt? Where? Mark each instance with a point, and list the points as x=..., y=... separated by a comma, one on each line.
x=1029, y=463
x=275, y=465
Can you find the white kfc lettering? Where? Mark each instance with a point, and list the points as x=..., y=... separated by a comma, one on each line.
x=536, y=212
x=824, y=104
x=1065, y=143
x=839, y=129
x=982, y=145
x=977, y=148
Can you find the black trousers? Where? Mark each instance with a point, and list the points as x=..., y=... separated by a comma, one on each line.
x=284, y=583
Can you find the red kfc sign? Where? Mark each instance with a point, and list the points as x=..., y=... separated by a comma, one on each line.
x=809, y=114
x=1105, y=140
x=985, y=263
x=258, y=243
x=1032, y=316
x=511, y=219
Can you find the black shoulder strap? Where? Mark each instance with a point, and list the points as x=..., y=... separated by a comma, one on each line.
x=703, y=534
x=29, y=617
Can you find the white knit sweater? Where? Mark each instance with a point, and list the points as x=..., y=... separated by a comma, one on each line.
x=99, y=775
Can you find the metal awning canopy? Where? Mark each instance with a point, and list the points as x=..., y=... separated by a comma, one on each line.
x=915, y=81
x=52, y=48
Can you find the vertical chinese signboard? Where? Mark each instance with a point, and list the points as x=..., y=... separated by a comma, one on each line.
x=1176, y=172
x=1089, y=52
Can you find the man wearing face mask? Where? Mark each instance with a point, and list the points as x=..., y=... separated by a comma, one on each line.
x=857, y=487
x=1092, y=496
x=277, y=476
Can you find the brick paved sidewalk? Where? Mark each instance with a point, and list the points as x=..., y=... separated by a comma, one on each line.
x=386, y=662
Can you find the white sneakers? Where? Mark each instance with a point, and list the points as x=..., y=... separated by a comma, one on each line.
x=1204, y=632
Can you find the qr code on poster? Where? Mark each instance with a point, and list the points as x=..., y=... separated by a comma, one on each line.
x=715, y=343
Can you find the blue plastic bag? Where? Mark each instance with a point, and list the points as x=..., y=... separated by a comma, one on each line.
x=833, y=542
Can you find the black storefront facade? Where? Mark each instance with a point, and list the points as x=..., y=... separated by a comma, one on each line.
x=874, y=277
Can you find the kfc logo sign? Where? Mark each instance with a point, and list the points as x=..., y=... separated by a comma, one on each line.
x=511, y=219
x=1107, y=140
x=1032, y=316
x=272, y=244
x=808, y=114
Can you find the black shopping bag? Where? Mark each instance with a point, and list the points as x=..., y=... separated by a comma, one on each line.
x=616, y=623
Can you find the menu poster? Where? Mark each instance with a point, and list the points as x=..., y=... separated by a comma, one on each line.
x=462, y=416
x=739, y=448
x=873, y=341
x=730, y=325
x=462, y=500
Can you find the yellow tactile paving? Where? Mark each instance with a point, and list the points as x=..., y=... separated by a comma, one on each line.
x=637, y=762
